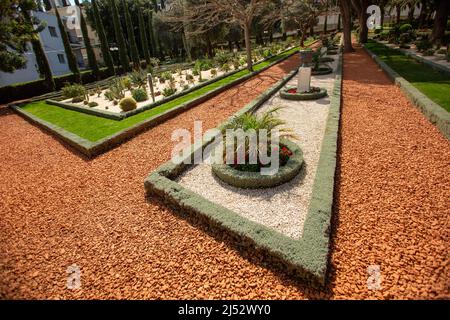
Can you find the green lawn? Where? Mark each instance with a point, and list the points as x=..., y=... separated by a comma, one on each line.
x=94, y=128
x=435, y=85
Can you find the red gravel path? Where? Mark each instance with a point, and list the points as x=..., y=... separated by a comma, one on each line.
x=57, y=209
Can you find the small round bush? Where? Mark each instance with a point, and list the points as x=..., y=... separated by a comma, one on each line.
x=189, y=77
x=77, y=99
x=73, y=90
x=139, y=94
x=92, y=104
x=428, y=52
x=127, y=104
x=405, y=28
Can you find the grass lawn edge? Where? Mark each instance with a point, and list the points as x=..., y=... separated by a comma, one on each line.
x=436, y=114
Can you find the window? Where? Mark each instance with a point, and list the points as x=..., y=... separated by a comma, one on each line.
x=61, y=58
x=52, y=31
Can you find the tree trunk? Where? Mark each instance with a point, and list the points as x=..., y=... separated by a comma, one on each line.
x=347, y=25
x=382, y=16
x=248, y=46
x=230, y=46
x=411, y=13
x=363, y=30
x=326, y=19
x=423, y=13
x=339, y=23
x=398, y=10
x=440, y=20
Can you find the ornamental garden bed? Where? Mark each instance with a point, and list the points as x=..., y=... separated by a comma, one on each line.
x=288, y=223
x=92, y=135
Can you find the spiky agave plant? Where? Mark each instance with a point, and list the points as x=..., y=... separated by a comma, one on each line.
x=138, y=78
x=250, y=122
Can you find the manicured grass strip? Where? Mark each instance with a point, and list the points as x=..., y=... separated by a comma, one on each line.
x=94, y=128
x=434, y=84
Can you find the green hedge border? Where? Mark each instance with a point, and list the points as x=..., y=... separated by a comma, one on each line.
x=91, y=149
x=124, y=115
x=431, y=110
x=302, y=96
x=254, y=180
x=307, y=257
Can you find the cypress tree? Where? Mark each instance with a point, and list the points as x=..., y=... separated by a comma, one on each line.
x=124, y=60
x=151, y=36
x=43, y=66
x=131, y=39
x=87, y=43
x=103, y=41
x=73, y=66
x=144, y=41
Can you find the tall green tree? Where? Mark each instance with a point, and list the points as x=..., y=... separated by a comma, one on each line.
x=151, y=35
x=103, y=40
x=28, y=25
x=72, y=61
x=87, y=43
x=123, y=55
x=131, y=39
x=143, y=35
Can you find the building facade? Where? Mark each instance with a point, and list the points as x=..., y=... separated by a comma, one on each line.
x=53, y=47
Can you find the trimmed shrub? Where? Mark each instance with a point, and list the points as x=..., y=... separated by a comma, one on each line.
x=168, y=92
x=424, y=44
x=139, y=94
x=77, y=99
x=92, y=104
x=405, y=28
x=213, y=72
x=428, y=52
x=127, y=104
x=73, y=90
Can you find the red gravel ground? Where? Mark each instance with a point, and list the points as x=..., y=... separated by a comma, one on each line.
x=57, y=209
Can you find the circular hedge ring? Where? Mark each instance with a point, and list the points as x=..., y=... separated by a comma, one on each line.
x=320, y=93
x=331, y=52
x=321, y=71
x=255, y=180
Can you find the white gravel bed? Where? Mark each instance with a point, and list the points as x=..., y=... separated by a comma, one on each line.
x=282, y=208
x=106, y=105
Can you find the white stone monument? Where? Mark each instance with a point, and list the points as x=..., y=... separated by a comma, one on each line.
x=304, y=79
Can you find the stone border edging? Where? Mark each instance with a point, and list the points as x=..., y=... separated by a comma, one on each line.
x=92, y=149
x=124, y=115
x=306, y=257
x=431, y=110
x=254, y=180
x=436, y=66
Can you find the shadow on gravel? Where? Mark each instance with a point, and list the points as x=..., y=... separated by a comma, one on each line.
x=250, y=254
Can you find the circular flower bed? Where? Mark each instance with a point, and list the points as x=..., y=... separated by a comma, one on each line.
x=321, y=71
x=249, y=176
x=290, y=93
